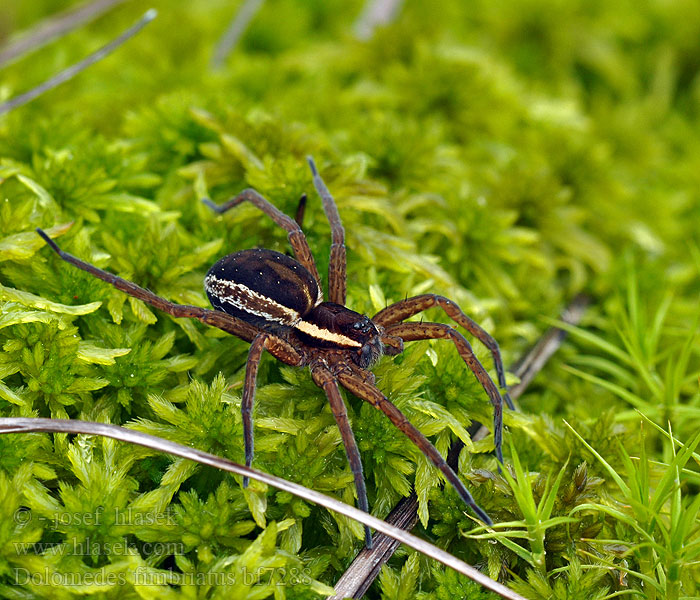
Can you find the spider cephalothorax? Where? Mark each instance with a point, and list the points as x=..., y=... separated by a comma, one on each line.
x=276, y=303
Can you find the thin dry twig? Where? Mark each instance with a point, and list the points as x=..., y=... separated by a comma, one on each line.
x=54, y=27
x=234, y=31
x=549, y=343
x=26, y=425
x=368, y=563
x=73, y=70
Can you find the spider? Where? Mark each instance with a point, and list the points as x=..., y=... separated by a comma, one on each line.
x=276, y=303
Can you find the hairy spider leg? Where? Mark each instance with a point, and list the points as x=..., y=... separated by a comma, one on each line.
x=215, y=318
x=275, y=346
x=371, y=394
x=411, y=331
x=324, y=379
x=408, y=307
x=296, y=236
x=279, y=348
x=336, y=266
x=248, y=397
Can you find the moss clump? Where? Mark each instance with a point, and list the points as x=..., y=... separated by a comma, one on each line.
x=505, y=157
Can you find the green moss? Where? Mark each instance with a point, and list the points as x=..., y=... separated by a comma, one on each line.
x=507, y=156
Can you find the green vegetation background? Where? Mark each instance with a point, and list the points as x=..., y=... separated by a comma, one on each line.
x=507, y=155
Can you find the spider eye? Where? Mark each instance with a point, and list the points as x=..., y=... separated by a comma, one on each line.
x=357, y=325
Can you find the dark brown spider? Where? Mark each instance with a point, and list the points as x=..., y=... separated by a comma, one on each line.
x=276, y=303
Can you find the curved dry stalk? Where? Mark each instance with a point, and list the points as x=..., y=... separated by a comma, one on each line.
x=234, y=31
x=27, y=425
x=73, y=70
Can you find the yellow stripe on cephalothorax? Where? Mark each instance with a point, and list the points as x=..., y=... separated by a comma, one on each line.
x=324, y=334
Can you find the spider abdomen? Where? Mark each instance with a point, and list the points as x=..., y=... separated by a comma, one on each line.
x=274, y=292
x=262, y=287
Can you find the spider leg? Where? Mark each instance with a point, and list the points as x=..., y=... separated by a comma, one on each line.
x=371, y=394
x=216, y=318
x=429, y=331
x=279, y=348
x=404, y=309
x=325, y=379
x=275, y=346
x=296, y=236
x=336, y=266
x=248, y=397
